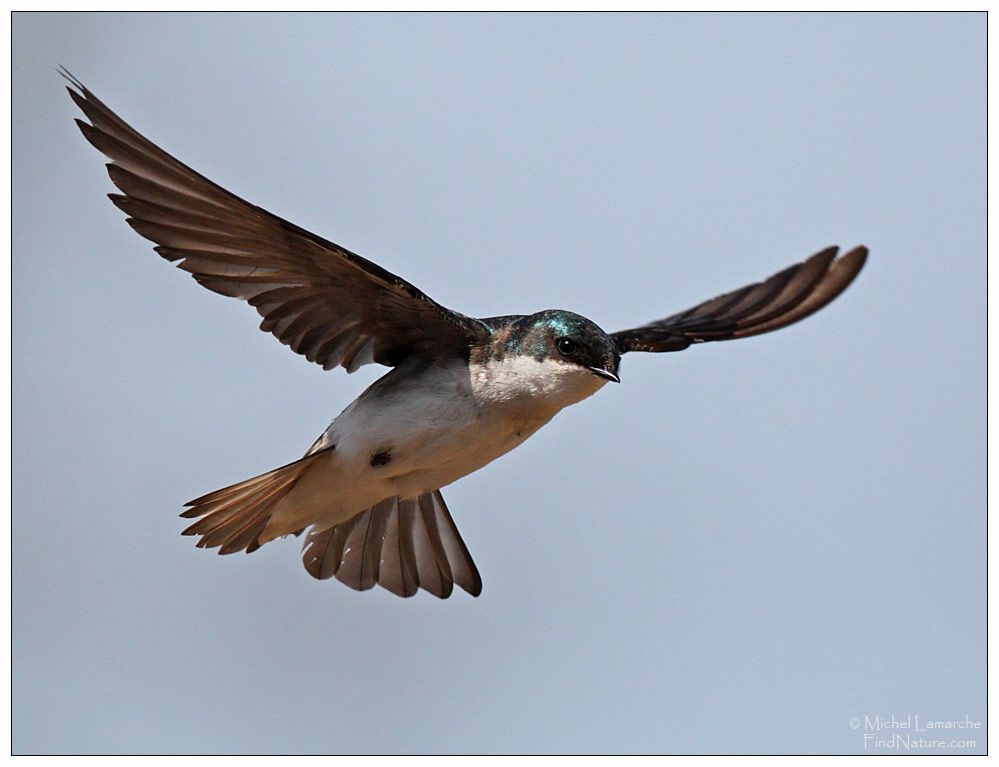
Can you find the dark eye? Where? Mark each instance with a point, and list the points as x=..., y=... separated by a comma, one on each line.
x=566, y=346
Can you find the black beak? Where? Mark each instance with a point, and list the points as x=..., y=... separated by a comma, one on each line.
x=605, y=374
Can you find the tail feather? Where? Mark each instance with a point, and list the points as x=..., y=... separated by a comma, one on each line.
x=211, y=501
x=233, y=518
x=242, y=536
x=362, y=535
x=400, y=544
x=239, y=523
x=397, y=565
x=221, y=517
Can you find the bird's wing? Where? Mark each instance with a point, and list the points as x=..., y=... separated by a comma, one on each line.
x=320, y=299
x=784, y=298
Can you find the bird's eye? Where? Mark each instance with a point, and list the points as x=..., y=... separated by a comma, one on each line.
x=566, y=346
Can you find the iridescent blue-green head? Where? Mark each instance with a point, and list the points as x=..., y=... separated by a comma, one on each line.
x=557, y=334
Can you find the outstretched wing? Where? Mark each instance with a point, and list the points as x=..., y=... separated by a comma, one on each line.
x=320, y=299
x=784, y=298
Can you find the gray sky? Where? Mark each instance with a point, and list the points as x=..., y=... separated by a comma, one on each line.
x=738, y=549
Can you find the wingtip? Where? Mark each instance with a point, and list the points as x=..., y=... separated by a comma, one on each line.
x=820, y=261
x=848, y=263
x=859, y=253
x=67, y=75
x=853, y=260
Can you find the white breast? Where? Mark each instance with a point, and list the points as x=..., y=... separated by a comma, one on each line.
x=531, y=386
x=416, y=431
x=448, y=421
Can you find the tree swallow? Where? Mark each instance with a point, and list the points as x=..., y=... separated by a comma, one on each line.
x=461, y=391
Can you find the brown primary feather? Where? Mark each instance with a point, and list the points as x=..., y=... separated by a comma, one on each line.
x=786, y=297
x=328, y=304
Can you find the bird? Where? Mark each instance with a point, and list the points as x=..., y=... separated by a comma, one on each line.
x=460, y=391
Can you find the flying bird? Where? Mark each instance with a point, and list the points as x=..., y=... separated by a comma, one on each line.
x=461, y=391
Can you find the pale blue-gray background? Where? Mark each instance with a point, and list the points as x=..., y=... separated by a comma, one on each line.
x=738, y=549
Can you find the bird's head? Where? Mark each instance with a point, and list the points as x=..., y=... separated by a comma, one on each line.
x=566, y=338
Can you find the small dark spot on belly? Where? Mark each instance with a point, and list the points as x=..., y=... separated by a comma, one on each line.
x=382, y=458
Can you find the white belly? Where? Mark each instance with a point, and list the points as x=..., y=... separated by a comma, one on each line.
x=413, y=433
x=435, y=434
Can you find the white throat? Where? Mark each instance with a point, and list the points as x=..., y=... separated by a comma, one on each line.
x=529, y=385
